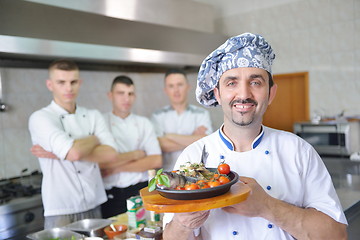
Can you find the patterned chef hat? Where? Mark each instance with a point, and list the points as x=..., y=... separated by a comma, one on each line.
x=245, y=50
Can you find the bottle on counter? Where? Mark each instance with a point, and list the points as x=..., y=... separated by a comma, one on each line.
x=155, y=219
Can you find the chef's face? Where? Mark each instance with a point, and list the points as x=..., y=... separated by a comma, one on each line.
x=64, y=85
x=176, y=88
x=244, y=95
x=122, y=97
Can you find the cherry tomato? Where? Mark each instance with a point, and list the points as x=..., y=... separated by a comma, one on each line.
x=214, y=183
x=223, y=179
x=224, y=168
x=202, y=184
x=191, y=186
x=199, y=182
x=215, y=177
x=180, y=188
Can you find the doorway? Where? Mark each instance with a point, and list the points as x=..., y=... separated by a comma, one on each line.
x=291, y=103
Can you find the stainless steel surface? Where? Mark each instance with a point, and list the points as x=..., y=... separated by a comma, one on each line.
x=89, y=227
x=3, y=106
x=348, y=190
x=21, y=211
x=55, y=233
x=204, y=155
x=32, y=47
x=20, y=217
x=172, y=12
x=41, y=31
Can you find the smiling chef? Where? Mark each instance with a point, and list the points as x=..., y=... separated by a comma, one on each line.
x=292, y=195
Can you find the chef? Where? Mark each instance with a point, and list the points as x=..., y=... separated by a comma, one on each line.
x=70, y=141
x=292, y=195
x=136, y=141
x=178, y=124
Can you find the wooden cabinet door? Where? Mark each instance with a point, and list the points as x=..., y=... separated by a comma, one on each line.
x=291, y=103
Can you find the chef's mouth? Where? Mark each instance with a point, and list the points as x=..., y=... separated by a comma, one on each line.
x=249, y=102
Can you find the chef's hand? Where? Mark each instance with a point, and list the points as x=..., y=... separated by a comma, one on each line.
x=255, y=205
x=191, y=220
x=40, y=152
x=139, y=154
x=106, y=172
x=183, y=225
x=200, y=131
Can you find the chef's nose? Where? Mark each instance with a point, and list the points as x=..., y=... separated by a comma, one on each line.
x=69, y=87
x=244, y=91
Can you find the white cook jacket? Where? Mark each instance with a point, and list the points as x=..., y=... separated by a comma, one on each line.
x=167, y=120
x=287, y=167
x=68, y=187
x=132, y=133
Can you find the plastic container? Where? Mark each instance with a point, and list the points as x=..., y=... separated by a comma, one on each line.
x=121, y=231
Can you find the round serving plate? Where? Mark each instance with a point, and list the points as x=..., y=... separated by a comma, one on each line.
x=200, y=193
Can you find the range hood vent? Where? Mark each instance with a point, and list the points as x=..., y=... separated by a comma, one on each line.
x=38, y=29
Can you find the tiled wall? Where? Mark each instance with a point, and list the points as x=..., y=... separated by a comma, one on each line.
x=318, y=36
x=25, y=92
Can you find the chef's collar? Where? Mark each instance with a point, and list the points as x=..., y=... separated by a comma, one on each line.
x=230, y=145
x=170, y=107
x=59, y=109
x=117, y=117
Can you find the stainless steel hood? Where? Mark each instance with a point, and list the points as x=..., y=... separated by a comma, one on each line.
x=93, y=31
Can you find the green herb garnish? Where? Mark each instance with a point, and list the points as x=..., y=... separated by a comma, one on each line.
x=160, y=179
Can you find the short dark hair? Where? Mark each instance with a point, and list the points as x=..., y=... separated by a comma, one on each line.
x=271, y=81
x=64, y=64
x=122, y=79
x=175, y=71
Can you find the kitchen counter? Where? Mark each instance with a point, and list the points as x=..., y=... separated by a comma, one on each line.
x=348, y=198
x=346, y=178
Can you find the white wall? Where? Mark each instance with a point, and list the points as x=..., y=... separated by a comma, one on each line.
x=318, y=36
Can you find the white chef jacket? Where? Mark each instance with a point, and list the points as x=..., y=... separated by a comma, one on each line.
x=132, y=133
x=68, y=187
x=286, y=166
x=167, y=120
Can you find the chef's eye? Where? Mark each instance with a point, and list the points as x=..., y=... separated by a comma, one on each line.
x=230, y=84
x=255, y=83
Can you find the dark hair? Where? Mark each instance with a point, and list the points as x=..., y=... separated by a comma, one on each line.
x=122, y=79
x=271, y=81
x=64, y=64
x=175, y=71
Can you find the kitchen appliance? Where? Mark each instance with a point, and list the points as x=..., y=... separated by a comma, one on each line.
x=331, y=138
x=21, y=210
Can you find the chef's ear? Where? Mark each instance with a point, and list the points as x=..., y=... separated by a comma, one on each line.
x=272, y=93
x=110, y=95
x=217, y=94
x=49, y=85
x=80, y=81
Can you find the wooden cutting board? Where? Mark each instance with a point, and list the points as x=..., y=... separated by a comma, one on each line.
x=153, y=201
